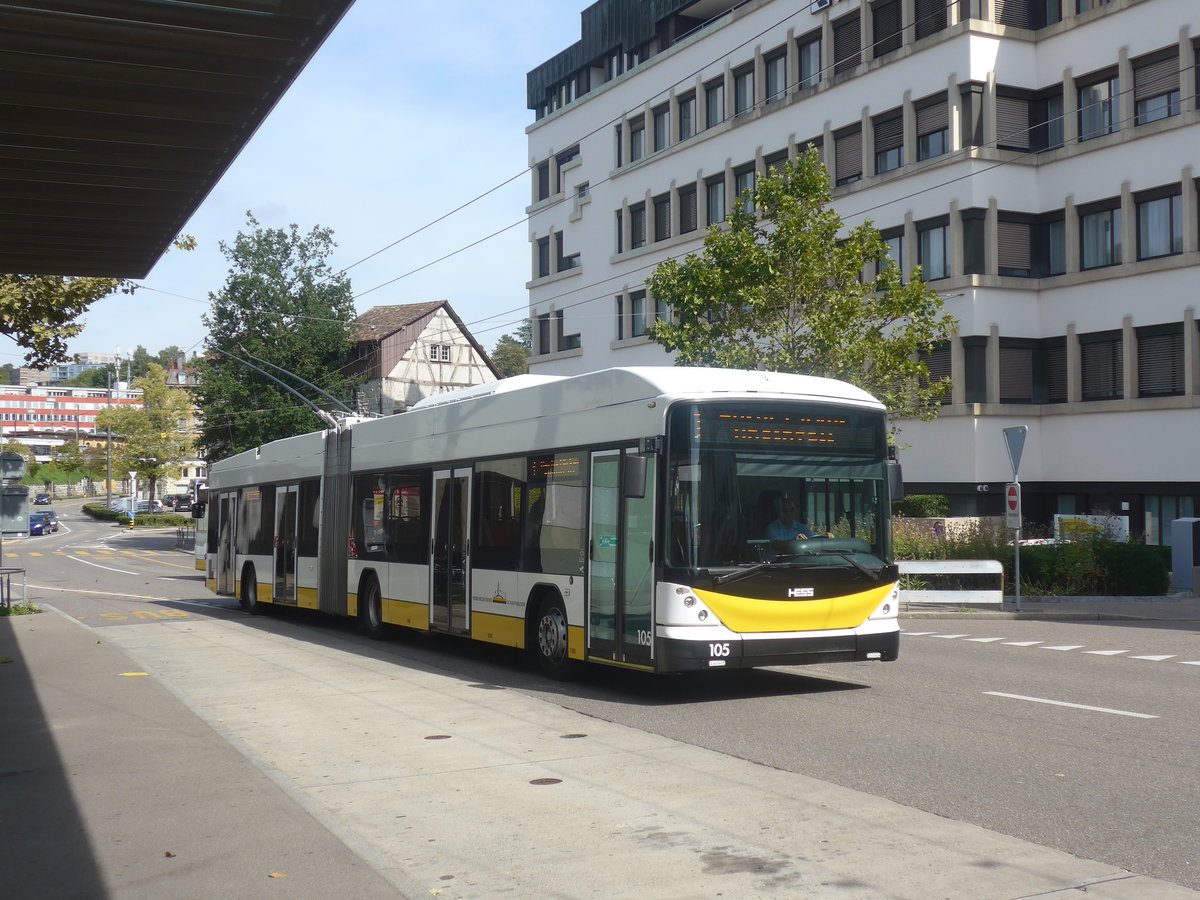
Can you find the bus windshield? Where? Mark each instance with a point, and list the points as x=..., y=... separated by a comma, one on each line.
x=766, y=483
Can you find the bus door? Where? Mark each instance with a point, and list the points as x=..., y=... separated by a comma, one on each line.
x=226, y=511
x=621, y=567
x=285, y=545
x=450, y=553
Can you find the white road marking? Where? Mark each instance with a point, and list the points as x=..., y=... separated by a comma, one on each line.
x=1190, y=662
x=916, y=633
x=983, y=640
x=1064, y=647
x=98, y=566
x=1155, y=658
x=1105, y=652
x=948, y=636
x=1103, y=709
x=1023, y=643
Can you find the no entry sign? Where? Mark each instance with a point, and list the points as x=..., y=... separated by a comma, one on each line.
x=1012, y=505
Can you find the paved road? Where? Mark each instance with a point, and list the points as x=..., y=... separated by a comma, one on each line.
x=427, y=756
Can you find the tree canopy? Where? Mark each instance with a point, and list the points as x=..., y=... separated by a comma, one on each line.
x=153, y=440
x=511, y=353
x=784, y=289
x=282, y=303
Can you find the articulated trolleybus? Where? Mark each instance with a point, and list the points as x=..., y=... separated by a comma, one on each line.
x=618, y=517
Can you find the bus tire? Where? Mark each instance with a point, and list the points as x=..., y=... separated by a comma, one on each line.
x=550, y=643
x=249, y=593
x=370, y=608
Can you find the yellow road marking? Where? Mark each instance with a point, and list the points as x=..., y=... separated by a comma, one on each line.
x=131, y=674
x=36, y=554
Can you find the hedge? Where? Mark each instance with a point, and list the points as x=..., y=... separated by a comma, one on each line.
x=147, y=520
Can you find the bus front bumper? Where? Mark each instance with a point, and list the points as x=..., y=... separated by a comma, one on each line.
x=687, y=656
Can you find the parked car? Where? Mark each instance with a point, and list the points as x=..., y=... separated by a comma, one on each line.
x=183, y=504
x=42, y=500
x=39, y=523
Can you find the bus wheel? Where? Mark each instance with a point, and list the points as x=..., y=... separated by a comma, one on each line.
x=249, y=598
x=550, y=639
x=370, y=608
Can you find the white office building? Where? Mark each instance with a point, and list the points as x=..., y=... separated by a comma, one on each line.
x=1037, y=158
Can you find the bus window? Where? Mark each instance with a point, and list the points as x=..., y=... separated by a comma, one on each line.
x=556, y=530
x=406, y=522
x=256, y=521
x=499, y=494
x=309, y=519
x=370, y=506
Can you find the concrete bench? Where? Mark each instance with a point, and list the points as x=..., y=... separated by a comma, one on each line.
x=988, y=571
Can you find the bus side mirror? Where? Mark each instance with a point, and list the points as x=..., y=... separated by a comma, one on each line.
x=198, y=509
x=895, y=480
x=634, y=476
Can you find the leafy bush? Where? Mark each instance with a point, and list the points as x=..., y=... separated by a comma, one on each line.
x=923, y=506
x=1134, y=569
x=157, y=520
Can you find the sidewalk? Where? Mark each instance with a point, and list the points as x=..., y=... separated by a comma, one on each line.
x=279, y=760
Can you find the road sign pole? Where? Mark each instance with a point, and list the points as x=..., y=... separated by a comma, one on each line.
x=1014, y=441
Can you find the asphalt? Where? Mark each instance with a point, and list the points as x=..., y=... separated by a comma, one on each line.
x=211, y=757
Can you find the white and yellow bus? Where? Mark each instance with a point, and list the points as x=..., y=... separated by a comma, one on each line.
x=618, y=517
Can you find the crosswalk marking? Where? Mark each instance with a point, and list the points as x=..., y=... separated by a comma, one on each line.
x=1105, y=652
x=983, y=640
x=1023, y=643
x=1064, y=647
x=1192, y=662
x=948, y=636
x=1043, y=646
x=1155, y=658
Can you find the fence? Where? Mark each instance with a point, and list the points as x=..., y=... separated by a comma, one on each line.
x=962, y=582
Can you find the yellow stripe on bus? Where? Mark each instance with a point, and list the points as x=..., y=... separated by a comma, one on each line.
x=402, y=612
x=201, y=565
x=751, y=616
x=506, y=630
x=211, y=584
x=575, y=642
x=306, y=598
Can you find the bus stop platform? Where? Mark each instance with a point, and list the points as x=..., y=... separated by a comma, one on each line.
x=213, y=756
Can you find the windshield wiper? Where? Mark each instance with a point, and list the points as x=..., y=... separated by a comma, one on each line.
x=730, y=577
x=844, y=554
x=847, y=555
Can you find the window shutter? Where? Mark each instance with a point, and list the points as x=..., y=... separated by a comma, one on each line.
x=1014, y=245
x=1016, y=374
x=1012, y=123
x=687, y=210
x=1160, y=364
x=847, y=43
x=933, y=117
x=1155, y=78
x=931, y=17
x=887, y=33
x=1014, y=13
x=937, y=361
x=889, y=133
x=1101, y=369
x=1056, y=372
x=848, y=155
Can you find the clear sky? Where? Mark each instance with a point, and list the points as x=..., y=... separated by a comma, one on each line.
x=406, y=112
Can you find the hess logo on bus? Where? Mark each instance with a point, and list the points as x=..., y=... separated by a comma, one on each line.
x=799, y=592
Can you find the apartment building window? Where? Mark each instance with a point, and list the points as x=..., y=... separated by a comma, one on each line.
x=974, y=233
x=543, y=334
x=887, y=34
x=1100, y=236
x=662, y=311
x=937, y=362
x=620, y=303
x=743, y=186
x=930, y=17
x=1159, y=223
x=1049, y=245
x=662, y=128
x=743, y=90
x=662, y=217
x=714, y=102
x=637, y=313
x=1014, y=239
x=809, y=48
x=543, y=180
x=1014, y=13
x=1054, y=369
x=564, y=341
x=1082, y=6
x=1156, y=86
x=776, y=162
x=1012, y=120
x=889, y=141
x=543, y=258
x=561, y=162
x=1101, y=365
x=775, y=71
x=893, y=240
x=714, y=189
x=620, y=232
x=618, y=132
x=1160, y=360
x=1017, y=370
x=687, y=116
x=1099, y=108
x=637, y=139
x=975, y=373
x=847, y=154
x=847, y=43
x=637, y=226
x=563, y=262
x=933, y=248
x=1046, y=120
x=687, y=209
x=933, y=127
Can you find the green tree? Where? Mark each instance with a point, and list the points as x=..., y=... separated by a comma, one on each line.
x=40, y=312
x=284, y=304
x=168, y=356
x=97, y=378
x=786, y=292
x=511, y=353
x=152, y=440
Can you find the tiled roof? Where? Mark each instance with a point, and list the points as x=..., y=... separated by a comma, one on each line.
x=380, y=321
